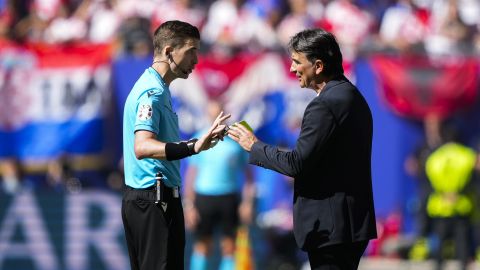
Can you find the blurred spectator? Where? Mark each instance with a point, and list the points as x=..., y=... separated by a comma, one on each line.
x=28, y=24
x=4, y=25
x=214, y=199
x=135, y=38
x=450, y=35
x=137, y=8
x=435, y=134
x=60, y=176
x=183, y=10
x=46, y=9
x=433, y=138
x=6, y=19
x=104, y=20
x=404, y=26
x=449, y=169
x=69, y=25
x=468, y=10
x=265, y=8
x=231, y=25
x=11, y=176
x=302, y=14
x=350, y=24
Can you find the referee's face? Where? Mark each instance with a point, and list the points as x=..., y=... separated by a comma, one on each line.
x=185, y=58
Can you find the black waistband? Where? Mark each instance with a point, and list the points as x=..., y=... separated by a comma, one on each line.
x=167, y=194
x=150, y=188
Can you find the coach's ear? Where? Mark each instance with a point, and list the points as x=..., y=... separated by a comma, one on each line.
x=318, y=64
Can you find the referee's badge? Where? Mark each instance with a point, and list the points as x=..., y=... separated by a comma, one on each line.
x=145, y=112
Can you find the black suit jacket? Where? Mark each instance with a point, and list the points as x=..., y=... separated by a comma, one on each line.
x=331, y=167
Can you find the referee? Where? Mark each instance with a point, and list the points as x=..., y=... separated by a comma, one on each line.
x=152, y=212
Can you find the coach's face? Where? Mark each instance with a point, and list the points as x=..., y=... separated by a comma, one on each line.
x=305, y=71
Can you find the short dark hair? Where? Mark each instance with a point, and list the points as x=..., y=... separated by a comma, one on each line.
x=318, y=44
x=173, y=33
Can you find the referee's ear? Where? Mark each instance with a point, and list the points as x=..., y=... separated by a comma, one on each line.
x=167, y=52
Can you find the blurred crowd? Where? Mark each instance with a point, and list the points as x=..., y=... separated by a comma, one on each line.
x=435, y=27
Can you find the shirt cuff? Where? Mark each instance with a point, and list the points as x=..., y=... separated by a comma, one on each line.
x=257, y=148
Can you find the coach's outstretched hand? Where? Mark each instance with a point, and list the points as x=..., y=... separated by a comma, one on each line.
x=215, y=131
x=244, y=137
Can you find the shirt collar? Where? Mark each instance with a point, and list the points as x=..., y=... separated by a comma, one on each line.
x=334, y=82
x=158, y=77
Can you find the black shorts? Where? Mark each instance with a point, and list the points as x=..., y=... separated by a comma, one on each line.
x=217, y=212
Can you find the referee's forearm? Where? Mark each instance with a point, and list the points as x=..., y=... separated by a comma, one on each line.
x=150, y=148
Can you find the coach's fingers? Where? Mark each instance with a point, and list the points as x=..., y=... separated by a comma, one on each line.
x=233, y=137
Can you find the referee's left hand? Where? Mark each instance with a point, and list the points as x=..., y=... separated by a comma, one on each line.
x=216, y=130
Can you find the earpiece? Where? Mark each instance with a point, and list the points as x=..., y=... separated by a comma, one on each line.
x=169, y=56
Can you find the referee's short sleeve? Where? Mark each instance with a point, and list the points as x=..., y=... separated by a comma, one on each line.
x=149, y=111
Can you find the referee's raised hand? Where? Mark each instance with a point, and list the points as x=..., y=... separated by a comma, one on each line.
x=215, y=131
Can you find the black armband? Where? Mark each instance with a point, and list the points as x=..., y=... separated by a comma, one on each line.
x=175, y=151
x=191, y=146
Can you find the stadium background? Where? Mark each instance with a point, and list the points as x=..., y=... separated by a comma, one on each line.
x=62, y=95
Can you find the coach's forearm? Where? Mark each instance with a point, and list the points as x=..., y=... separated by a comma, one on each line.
x=271, y=157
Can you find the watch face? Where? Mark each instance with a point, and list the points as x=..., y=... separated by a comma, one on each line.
x=145, y=112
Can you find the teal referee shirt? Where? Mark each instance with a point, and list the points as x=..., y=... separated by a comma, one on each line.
x=148, y=107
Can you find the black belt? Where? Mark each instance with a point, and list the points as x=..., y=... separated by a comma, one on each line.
x=167, y=191
x=163, y=193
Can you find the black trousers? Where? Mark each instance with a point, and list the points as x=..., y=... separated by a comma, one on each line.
x=337, y=257
x=155, y=237
x=458, y=229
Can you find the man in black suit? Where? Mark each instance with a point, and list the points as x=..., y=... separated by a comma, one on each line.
x=333, y=208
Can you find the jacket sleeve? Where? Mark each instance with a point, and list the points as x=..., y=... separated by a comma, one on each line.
x=317, y=126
